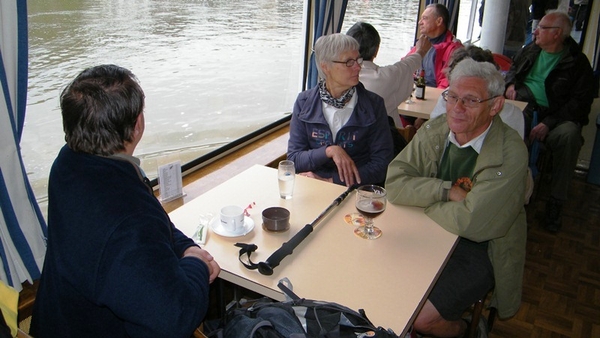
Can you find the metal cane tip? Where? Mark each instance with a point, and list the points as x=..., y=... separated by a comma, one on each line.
x=265, y=269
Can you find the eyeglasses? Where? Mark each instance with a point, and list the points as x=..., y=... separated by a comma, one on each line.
x=469, y=101
x=351, y=62
x=546, y=27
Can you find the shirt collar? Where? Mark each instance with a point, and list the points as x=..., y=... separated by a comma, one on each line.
x=476, y=143
x=129, y=158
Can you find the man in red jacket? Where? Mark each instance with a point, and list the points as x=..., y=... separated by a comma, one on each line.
x=434, y=23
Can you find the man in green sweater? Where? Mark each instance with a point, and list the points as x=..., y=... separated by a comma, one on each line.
x=468, y=170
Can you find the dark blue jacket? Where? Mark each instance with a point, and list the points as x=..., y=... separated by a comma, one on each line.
x=366, y=137
x=113, y=265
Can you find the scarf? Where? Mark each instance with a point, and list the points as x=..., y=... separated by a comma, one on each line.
x=332, y=101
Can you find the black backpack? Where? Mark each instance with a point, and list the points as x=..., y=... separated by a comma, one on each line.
x=296, y=318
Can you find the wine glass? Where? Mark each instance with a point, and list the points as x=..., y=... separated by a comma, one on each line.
x=370, y=202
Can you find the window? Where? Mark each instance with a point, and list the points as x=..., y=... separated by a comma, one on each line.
x=395, y=20
x=213, y=71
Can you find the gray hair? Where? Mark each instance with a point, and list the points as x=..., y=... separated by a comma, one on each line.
x=483, y=70
x=329, y=47
x=562, y=20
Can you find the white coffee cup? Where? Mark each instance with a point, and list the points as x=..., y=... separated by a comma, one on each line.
x=232, y=218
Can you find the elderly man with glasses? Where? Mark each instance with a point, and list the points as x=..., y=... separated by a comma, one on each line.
x=556, y=78
x=468, y=170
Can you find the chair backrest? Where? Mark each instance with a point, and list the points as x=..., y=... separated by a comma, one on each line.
x=503, y=61
x=408, y=132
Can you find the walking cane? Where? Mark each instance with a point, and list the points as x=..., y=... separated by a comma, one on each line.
x=266, y=267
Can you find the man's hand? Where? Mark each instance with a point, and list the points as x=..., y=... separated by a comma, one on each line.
x=510, y=92
x=203, y=255
x=457, y=194
x=423, y=45
x=346, y=168
x=539, y=132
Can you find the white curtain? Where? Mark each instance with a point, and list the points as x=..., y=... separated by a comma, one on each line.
x=22, y=227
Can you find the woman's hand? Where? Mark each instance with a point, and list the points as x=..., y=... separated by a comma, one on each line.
x=346, y=168
x=208, y=259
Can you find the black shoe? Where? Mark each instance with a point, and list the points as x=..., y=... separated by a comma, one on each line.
x=553, y=217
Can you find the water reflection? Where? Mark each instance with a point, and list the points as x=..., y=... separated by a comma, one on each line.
x=212, y=71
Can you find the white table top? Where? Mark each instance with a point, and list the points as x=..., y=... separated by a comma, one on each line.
x=423, y=108
x=388, y=277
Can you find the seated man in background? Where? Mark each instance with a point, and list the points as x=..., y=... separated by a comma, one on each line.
x=509, y=114
x=392, y=82
x=115, y=265
x=339, y=130
x=555, y=78
x=434, y=24
x=468, y=171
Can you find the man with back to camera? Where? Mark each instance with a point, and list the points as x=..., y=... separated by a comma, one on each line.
x=555, y=78
x=434, y=24
x=468, y=171
x=115, y=265
x=392, y=82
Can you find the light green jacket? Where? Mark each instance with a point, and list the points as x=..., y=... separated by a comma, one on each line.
x=492, y=211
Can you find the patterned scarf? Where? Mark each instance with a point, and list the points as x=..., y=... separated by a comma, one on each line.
x=330, y=100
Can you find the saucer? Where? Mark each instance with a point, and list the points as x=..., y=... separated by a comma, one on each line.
x=217, y=227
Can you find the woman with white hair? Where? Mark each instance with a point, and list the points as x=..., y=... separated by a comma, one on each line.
x=339, y=131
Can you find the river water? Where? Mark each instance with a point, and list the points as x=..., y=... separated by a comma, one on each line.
x=212, y=71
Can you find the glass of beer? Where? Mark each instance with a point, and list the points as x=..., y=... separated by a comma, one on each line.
x=370, y=202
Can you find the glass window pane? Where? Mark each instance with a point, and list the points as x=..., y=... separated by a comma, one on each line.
x=395, y=20
x=212, y=71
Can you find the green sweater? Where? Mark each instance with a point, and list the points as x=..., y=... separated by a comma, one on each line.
x=492, y=211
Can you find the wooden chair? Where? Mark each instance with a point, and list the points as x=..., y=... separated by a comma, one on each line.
x=408, y=132
x=503, y=61
x=477, y=309
x=25, y=307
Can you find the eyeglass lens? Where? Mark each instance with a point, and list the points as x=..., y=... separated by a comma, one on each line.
x=470, y=102
x=351, y=62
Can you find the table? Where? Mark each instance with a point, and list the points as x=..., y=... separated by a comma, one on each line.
x=389, y=277
x=423, y=108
